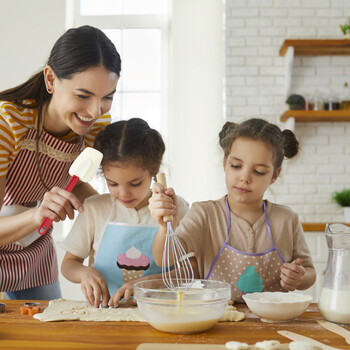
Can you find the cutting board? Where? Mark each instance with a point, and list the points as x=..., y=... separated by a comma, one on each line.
x=167, y=346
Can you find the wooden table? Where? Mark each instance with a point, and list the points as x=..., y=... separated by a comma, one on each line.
x=24, y=332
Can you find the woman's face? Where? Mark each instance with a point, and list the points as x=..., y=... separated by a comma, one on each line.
x=78, y=102
x=129, y=184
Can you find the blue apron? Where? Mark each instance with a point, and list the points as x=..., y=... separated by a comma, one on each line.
x=125, y=253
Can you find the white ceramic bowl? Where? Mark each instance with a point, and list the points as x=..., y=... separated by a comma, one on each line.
x=200, y=308
x=277, y=306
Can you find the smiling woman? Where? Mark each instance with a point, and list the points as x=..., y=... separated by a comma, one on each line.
x=78, y=102
x=44, y=124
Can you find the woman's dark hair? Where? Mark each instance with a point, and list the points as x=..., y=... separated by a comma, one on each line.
x=75, y=51
x=283, y=143
x=131, y=141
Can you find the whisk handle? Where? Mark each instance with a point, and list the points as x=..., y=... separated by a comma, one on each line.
x=162, y=180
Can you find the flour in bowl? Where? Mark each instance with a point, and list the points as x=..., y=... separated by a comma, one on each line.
x=280, y=297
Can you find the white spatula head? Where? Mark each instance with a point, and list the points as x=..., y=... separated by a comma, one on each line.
x=86, y=164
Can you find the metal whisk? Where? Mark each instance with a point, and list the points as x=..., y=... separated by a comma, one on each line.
x=181, y=277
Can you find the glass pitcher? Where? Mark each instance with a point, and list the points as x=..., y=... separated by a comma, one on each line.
x=334, y=302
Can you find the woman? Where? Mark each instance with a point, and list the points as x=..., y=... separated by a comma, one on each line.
x=44, y=125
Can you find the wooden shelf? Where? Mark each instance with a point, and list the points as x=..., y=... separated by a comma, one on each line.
x=316, y=226
x=317, y=47
x=316, y=116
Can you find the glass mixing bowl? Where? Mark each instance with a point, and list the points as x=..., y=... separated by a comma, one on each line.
x=182, y=312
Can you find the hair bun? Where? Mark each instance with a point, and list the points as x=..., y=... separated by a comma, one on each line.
x=225, y=131
x=291, y=144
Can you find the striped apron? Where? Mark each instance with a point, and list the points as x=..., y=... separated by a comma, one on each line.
x=23, y=267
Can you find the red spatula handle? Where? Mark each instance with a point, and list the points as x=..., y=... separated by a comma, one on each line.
x=47, y=222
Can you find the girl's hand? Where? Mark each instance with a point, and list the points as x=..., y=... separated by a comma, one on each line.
x=163, y=203
x=94, y=287
x=57, y=204
x=125, y=291
x=292, y=274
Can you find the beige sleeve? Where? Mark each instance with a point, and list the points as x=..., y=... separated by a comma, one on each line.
x=182, y=208
x=191, y=229
x=300, y=247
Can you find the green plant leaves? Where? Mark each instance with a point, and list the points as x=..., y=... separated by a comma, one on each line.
x=342, y=197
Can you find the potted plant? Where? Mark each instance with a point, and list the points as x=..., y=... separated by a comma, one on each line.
x=345, y=28
x=343, y=199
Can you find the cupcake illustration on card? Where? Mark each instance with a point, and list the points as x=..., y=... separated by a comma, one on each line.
x=132, y=263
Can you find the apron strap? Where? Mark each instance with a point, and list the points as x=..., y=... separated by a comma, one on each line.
x=226, y=240
x=270, y=234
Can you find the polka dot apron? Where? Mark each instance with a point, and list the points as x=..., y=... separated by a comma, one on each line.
x=247, y=272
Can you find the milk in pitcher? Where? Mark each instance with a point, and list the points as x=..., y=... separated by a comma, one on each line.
x=334, y=304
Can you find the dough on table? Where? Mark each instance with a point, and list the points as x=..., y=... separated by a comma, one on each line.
x=71, y=310
x=301, y=345
x=231, y=314
x=268, y=345
x=236, y=345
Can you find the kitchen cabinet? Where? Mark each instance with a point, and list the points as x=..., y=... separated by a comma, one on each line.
x=312, y=47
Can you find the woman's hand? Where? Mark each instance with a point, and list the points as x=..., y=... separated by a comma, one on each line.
x=292, y=274
x=163, y=203
x=57, y=205
x=94, y=287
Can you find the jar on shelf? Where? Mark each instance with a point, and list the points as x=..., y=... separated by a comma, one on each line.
x=345, y=103
x=317, y=102
x=332, y=102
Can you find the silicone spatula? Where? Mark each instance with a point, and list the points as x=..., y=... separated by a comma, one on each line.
x=83, y=168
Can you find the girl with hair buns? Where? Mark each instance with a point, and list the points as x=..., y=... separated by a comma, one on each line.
x=242, y=238
x=44, y=124
x=116, y=230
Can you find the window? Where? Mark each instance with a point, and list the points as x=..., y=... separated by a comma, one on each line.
x=139, y=30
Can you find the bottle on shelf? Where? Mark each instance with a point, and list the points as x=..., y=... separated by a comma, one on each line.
x=317, y=102
x=332, y=102
x=345, y=103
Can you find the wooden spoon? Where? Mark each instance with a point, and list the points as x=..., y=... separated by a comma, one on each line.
x=336, y=329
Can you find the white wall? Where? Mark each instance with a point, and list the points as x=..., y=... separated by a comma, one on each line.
x=196, y=99
x=28, y=31
x=255, y=84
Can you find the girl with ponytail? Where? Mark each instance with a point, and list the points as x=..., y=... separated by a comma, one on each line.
x=243, y=238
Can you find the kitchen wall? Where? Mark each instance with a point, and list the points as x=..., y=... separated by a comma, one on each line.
x=255, y=83
x=28, y=31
